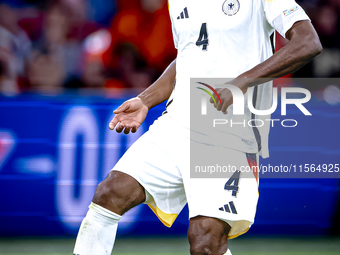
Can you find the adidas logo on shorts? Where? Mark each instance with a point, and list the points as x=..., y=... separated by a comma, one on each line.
x=227, y=209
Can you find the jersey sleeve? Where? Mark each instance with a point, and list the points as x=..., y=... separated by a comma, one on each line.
x=174, y=32
x=282, y=14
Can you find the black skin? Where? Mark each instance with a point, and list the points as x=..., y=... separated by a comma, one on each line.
x=120, y=192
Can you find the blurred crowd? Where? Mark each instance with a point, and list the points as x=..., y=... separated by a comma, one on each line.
x=53, y=45
x=325, y=16
x=49, y=46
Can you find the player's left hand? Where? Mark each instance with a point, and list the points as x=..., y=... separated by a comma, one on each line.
x=226, y=97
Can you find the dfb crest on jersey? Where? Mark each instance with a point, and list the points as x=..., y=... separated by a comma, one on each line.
x=231, y=7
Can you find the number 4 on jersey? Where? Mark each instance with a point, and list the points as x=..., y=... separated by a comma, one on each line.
x=203, y=37
x=232, y=183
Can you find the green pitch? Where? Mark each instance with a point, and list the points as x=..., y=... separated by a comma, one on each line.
x=177, y=246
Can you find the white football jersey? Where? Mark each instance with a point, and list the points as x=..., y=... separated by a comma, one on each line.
x=223, y=39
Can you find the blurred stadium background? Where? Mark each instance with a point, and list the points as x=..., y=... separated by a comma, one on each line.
x=66, y=64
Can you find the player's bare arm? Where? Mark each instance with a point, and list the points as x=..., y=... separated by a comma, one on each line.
x=131, y=114
x=161, y=89
x=302, y=47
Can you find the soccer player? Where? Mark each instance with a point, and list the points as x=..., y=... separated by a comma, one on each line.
x=224, y=38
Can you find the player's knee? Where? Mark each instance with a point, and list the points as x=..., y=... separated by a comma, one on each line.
x=207, y=236
x=119, y=193
x=205, y=245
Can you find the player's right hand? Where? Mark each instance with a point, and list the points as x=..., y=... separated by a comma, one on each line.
x=129, y=116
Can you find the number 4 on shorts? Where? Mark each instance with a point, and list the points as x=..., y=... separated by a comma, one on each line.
x=232, y=183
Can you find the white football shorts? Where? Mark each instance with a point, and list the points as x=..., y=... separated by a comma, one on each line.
x=160, y=161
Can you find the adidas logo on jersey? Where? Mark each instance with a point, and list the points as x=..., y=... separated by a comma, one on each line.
x=226, y=208
x=184, y=14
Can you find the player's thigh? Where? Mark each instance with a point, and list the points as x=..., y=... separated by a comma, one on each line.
x=150, y=162
x=119, y=192
x=208, y=235
x=231, y=198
